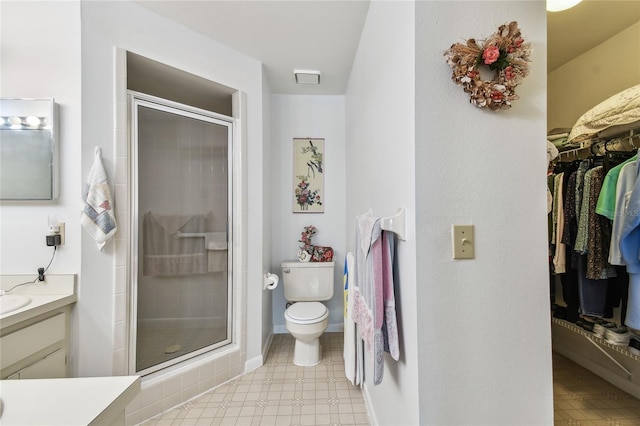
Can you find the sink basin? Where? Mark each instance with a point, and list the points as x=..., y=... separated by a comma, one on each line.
x=11, y=302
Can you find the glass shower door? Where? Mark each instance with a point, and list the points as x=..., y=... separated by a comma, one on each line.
x=182, y=279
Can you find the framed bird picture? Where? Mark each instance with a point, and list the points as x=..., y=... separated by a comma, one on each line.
x=308, y=175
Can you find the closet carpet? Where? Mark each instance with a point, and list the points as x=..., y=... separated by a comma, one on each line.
x=583, y=399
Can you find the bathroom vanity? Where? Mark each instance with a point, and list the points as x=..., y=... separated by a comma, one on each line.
x=35, y=327
x=79, y=401
x=34, y=344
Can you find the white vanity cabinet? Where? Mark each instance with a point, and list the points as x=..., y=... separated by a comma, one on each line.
x=36, y=348
x=35, y=337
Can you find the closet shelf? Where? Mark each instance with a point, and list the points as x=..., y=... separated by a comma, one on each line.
x=622, y=349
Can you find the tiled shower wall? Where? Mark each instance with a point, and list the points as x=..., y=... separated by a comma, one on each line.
x=175, y=385
x=175, y=159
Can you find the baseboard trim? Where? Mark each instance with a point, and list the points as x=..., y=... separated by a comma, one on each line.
x=258, y=361
x=369, y=406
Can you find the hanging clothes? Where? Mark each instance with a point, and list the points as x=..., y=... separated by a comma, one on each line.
x=630, y=249
x=559, y=260
x=595, y=203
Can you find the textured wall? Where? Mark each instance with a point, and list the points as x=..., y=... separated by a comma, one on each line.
x=484, y=342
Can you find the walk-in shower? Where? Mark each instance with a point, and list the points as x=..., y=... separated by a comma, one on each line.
x=181, y=232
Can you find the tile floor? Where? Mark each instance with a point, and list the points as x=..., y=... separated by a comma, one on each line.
x=583, y=399
x=279, y=393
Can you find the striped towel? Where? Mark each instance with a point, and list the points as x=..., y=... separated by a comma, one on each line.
x=98, y=217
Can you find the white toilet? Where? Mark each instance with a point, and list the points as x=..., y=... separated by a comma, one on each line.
x=305, y=285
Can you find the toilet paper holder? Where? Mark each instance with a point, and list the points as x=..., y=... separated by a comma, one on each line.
x=270, y=281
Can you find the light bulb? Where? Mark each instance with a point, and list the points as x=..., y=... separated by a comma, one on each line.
x=15, y=122
x=33, y=121
x=560, y=5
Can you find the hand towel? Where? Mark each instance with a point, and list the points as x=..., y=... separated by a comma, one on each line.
x=390, y=325
x=98, y=217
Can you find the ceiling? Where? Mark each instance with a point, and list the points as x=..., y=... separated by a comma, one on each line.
x=324, y=34
x=574, y=31
x=284, y=35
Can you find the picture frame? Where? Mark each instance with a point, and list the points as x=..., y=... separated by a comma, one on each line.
x=308, y=175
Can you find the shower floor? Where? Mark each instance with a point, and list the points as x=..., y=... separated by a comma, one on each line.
x=157, y=345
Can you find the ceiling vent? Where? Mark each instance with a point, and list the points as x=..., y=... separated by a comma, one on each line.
x=307, y=77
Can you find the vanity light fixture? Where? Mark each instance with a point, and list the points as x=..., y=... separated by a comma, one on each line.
x=560, y=5
x=29, y=149
x=307, y=77
x=30, y=122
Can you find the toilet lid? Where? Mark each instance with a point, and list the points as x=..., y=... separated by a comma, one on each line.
x=306, y=312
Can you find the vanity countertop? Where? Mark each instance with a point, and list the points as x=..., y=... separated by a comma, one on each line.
x=78, y=401
x=53, y=293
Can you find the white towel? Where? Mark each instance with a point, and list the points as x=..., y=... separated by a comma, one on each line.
x=98, y=217
x=350, y=337
x=165, y=254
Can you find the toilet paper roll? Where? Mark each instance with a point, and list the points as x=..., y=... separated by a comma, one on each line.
x=270, y=281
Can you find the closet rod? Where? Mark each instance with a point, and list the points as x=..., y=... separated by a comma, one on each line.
x=625, y=143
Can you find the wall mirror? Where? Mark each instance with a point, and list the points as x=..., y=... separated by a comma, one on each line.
x=28, y=149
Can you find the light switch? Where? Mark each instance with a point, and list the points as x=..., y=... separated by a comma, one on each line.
x=463, y=242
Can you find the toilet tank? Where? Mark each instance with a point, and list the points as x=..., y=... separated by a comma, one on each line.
x=307, y=281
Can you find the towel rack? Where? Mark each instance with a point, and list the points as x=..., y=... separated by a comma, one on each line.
x=179, y=234
x=395, y=223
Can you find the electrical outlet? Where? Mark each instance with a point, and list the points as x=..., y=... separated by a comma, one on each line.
x=56, y=238
x=61, y=233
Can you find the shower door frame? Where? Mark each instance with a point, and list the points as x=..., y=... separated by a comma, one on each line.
x=135, y=99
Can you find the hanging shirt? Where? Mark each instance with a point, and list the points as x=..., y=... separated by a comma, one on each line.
x=630, y=249
x=625, y=182
x=598, y=232
x=583, y=216
x=607, y=199
x=630, y=235
x=559, y=258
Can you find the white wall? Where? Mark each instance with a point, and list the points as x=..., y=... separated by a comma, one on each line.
x=484, y=342
x=41, y=59
x=267, y=218
x=592, y=77
x=125, y=25
x=380, y=176
x=300, y=116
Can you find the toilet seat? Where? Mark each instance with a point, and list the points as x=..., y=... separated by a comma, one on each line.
x=306, y=312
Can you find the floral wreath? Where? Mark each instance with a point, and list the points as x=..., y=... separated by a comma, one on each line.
x=505, y=52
